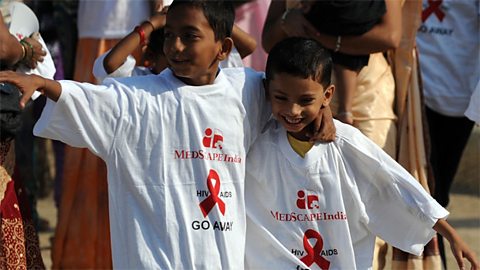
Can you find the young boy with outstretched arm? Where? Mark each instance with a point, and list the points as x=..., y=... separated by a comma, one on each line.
x=320, y=206
x=174, y=144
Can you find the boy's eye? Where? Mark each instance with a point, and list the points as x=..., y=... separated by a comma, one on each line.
x=190, y=36
x=280, y=98
x=306, y=101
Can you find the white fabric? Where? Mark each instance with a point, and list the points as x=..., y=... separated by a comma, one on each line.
x=233, y=60
x=128, y=68
x=160, y=140
x=473, y=110
x=352, y=191
x=110, y=19
x=450, y=55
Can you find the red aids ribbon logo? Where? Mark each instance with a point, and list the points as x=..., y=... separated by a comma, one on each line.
x=433, y=7
x=207, y=204
x=314, y=253
x=214, y=141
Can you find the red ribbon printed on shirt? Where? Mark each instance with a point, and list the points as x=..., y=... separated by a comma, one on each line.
x=314, y=253
x=207, y=204
x=433, y=7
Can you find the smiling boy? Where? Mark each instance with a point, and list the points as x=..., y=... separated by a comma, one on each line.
x=175, y=144
x=320, y=206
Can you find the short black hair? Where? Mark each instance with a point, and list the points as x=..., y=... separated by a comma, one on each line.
x=220, y=14
x=301, y=57
x=155, y=41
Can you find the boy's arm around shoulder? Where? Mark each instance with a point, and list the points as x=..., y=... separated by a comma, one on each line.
x=459, y=248
x=323, y=128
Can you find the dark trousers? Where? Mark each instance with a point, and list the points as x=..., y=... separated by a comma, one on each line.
x=448, y=137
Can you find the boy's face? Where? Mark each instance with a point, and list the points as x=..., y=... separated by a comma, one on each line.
x=296, y=102
x=190, y=46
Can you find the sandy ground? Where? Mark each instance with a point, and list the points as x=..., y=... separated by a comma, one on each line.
x=464, y=207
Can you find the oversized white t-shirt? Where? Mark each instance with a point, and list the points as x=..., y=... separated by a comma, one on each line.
x=175, y=156
x=448, y=41
x=324, y=211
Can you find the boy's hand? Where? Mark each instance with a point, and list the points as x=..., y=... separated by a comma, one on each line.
x=323, y=127
x=26, y=83
x=460, y=251
x=459, y=248
x=158, y=19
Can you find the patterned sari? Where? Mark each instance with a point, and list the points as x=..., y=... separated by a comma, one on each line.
x=19, y=243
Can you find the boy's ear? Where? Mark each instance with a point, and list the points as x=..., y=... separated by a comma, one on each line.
x=328, y=94
x=227, y=46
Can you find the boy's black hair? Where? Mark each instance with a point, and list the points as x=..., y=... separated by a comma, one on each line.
x=300, y=57
x=220, y=14
x=155, y=42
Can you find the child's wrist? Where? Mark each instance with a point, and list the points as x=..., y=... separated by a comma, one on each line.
x=143, y=30
x=345, y=114
x=141, y=34
x=147, y=24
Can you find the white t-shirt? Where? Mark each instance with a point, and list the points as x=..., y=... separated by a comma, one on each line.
x=473, y=110
x=110, y=19
x=331, y=204
x=449, y=52
x=129, y=68
x=175, y=156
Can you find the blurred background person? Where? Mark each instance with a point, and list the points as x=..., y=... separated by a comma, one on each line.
x=449, y=51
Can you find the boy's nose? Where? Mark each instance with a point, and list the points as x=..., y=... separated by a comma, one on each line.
x=175, y=45
x=294, y=109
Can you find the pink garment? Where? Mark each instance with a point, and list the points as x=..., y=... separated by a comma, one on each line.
x=250, y=17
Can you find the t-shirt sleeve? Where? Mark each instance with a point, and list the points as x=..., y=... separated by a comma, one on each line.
x=259, y=109
x=396, y=207
x=85, y=116
x=125, y=70
x=402, y=213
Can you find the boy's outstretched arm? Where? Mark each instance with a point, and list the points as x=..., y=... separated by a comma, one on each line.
x=459, y=248
x=119, y=53
x=29, y=83
x=244, y=43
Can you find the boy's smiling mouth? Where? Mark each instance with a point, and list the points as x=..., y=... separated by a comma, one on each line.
x=178, y=61
x=292, y=120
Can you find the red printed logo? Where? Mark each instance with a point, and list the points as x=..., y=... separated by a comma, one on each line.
x=213, y=139
x=433, y=8
x=213, y=184
x=314, y=253
x=308, y=201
